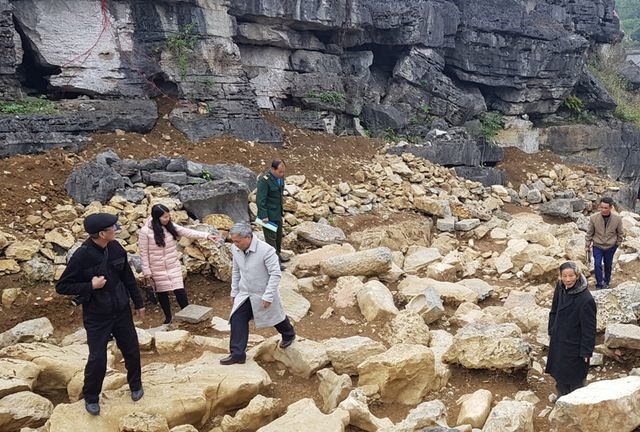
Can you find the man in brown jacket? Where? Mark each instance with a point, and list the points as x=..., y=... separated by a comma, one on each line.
x=604, y=235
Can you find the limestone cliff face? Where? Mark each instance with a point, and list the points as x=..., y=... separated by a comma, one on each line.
x=9, y=85
x=326, y=65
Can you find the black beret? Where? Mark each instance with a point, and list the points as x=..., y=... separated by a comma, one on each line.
x=97, y=222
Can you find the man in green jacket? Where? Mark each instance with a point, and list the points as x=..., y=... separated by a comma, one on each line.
x=269, y=200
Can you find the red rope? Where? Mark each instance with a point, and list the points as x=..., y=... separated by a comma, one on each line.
x=106, y=24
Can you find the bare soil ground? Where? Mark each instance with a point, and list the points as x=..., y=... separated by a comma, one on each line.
x=314, y=155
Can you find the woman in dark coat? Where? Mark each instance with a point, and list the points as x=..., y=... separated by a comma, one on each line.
x=572, y=329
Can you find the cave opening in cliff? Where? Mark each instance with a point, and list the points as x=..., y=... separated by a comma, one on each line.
x=34, y=71
x=385, y=57
x=162, y=84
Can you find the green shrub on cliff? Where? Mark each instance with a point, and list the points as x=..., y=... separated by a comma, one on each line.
x=490, y=124
x=574, y=104
x=331, y=97
x=619, y=88
x=28, y=105
x=181, y=45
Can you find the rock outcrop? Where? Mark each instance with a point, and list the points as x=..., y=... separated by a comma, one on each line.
x=336, y=61
x=187, y=393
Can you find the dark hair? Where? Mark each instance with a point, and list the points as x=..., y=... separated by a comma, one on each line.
x=158, y=229
x=607, y=200
x=276, y=163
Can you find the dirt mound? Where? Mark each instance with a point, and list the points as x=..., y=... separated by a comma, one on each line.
x=27, y=179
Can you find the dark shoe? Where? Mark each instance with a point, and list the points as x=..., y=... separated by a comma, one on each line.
x=92, y=408
x=231, y=360
x=598, y=287
x=167, y=321
x=136, y=395
x=605, y=286
x=287, y=343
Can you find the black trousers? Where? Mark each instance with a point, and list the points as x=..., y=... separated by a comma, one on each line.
x=566, y=388
x=240, y=330
x=99, y=329
x=163, y=299
x=274, y=238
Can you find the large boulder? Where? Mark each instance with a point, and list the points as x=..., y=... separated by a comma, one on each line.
x=622, y=336
x=38, y=269
x=631, y=71
x=17, y=375
x=404, y=373
x=485, y=345
x=601, y=406
x=343, y=295
x=58, y=365
x=38, y=329
x=303, y=358
x=93, y=182
x=376, y=301
x=379, y=117
x=406, y=327
x=448, y=292
x=333, y=388
x=347, y=353
x=72, y=120
x=218, y=196
x=562, y=207
x=22, y=410
x=305, y=415
x=260, y=411
x=396, y=237
x=236, y=172
x=428, y=305
x=186, y=393
x=308, y=264
x=370, y=262
x=22, y=250
x=418, y=259
x=455, y=148
x=226, y=117
x=171, y=341
x=295, y=304
x=320, y=234
x=617, y=305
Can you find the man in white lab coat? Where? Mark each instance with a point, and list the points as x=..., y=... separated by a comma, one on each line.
x=254, y=292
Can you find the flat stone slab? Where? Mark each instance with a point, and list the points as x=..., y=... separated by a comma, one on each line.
x=220, y=324
x=194, y=314
x=622, y=336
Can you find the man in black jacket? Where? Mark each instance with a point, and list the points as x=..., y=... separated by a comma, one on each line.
x=100, y=277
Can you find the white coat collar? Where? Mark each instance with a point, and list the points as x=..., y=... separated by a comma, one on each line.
x=254, y=243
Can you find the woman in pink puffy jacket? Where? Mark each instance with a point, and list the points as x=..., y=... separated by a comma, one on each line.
x=160, y=266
